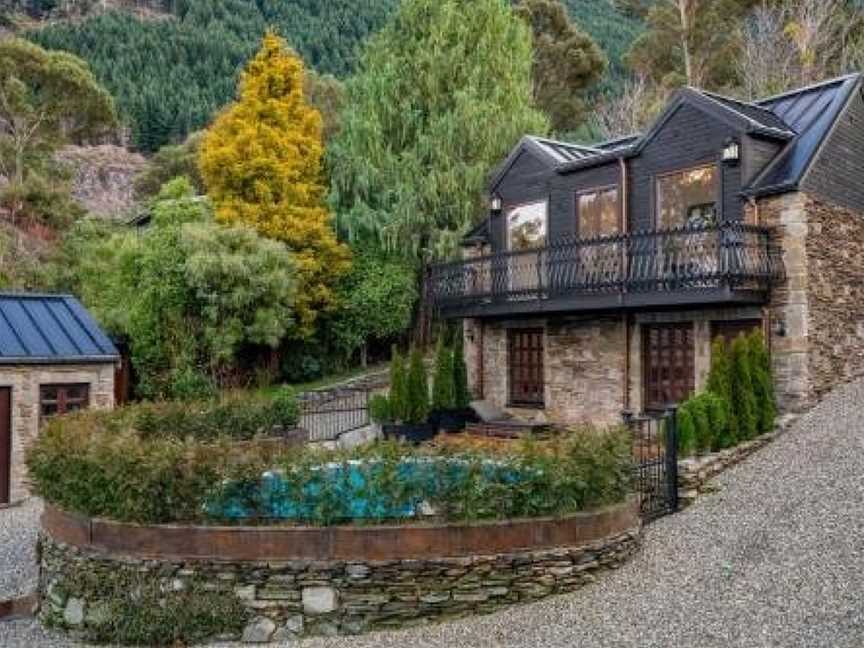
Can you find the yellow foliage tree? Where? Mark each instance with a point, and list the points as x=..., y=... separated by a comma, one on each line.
x=261, y=165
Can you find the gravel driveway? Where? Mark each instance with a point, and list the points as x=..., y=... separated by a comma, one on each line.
x=775, y=557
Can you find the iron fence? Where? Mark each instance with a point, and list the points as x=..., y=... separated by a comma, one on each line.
x=685, y=258
x=328, y=414
x=655, y=459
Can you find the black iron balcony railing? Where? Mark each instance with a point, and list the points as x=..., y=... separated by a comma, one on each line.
x=728, y=257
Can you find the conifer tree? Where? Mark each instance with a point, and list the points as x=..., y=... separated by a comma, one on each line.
x=720, y=383
x=443, y=387
x=744, y=403
x=398, y=387
x=763, y=382
x=261, y=164
x=461, y=393
x=418, y=389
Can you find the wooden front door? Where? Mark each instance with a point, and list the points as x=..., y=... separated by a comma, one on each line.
x=5, y=444
x=667, y=364
x=525, y=357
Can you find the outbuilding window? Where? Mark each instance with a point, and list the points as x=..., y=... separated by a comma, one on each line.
x=62, y=399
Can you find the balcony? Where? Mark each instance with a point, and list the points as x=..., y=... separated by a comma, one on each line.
x=731, y=263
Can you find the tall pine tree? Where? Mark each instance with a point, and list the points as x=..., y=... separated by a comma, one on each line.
x=261, y=164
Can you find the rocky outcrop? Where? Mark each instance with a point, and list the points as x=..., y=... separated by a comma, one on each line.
x=103, y=178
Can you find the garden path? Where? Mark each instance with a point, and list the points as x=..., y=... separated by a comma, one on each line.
x=772, y=558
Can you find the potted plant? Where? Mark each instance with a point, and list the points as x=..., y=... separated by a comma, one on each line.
x=443, y=392
x=408, y=405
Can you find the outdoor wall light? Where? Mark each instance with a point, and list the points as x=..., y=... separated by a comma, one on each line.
x=780, y=328
x=495, y=203
x=731, y=151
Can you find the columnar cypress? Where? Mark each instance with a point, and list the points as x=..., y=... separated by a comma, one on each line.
x=443, y=388
x=720, y=383
x=763, y=382
x=398, y=387
x=418, y=390
x=744, y=403
x=461, y=393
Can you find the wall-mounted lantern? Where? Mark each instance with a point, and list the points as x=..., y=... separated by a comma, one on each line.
x=731, y=151
x=495, y=203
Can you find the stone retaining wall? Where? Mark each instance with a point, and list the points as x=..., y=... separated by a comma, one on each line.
x=282, y=599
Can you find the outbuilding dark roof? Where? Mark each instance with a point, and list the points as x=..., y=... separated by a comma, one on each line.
x=46, y=329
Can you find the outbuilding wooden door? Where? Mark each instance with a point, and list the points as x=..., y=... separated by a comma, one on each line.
x=668, y=364
x=5, y=444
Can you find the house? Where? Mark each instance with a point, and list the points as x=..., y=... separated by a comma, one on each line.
x=602, y=273
x=54, y=359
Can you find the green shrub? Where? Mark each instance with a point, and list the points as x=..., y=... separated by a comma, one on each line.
x=398, y=387
x=717, y=410
x=763, y=382
x=720, y=383
x=418, y=390
x=284, y=409
x=702, y=424
x=443, y=388
x=380, y=410
x=100, y=465
x=744, y=403
x=686, y=428
x=461, y=393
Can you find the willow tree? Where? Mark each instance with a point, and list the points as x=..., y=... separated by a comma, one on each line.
x=441, y=95
x=261, y=162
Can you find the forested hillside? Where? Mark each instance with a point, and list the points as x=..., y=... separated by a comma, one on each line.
x=169, y=76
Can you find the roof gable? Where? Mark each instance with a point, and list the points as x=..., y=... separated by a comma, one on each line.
x=812, y=112
x=38, y=328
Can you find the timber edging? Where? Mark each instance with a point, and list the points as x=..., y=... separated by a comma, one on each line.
x=365, y=543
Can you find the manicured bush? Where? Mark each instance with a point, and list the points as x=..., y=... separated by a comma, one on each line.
x=380, y=410
x=744, y=403
x=701, y=423
x=763, y=382
x=686, y=429
x=461, y=393
x=718, y=417
x=418, y=390
x=720, y=383
x=99, y=465
x=443, y=387
x=398, y=387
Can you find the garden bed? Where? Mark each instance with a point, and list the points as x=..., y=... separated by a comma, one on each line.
x=162, y=584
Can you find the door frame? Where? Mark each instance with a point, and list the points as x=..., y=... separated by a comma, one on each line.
x=6, y=449
x=690, y=359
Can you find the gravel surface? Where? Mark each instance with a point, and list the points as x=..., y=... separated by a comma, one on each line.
x=773, y=558
x=18, y=526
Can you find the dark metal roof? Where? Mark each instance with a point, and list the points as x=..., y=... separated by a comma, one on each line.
x=562, y=152
x=811, y=112
x=757, y=114
x=44, y=329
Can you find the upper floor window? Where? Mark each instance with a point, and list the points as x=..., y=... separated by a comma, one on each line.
x=526, y=226
x=598, y=212
x=687, y=197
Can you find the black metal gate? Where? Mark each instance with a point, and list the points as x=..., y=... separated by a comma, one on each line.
x=330, y=413
x=655, y=457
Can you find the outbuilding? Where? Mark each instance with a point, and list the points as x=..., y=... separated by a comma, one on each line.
x=54, y=359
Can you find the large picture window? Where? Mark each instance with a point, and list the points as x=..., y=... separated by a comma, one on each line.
x=687, y=197
x=598, y=212
x=526, y=226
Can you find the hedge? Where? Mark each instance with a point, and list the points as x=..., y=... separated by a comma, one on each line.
x=97, y=465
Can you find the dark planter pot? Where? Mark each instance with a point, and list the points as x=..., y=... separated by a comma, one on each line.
x=411, y=432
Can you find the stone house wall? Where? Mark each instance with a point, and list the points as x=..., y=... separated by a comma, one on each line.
x=584, y=361
x=25, y=381
x=817, y=314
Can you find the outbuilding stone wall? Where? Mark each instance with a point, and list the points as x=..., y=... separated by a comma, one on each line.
x=25, y=381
